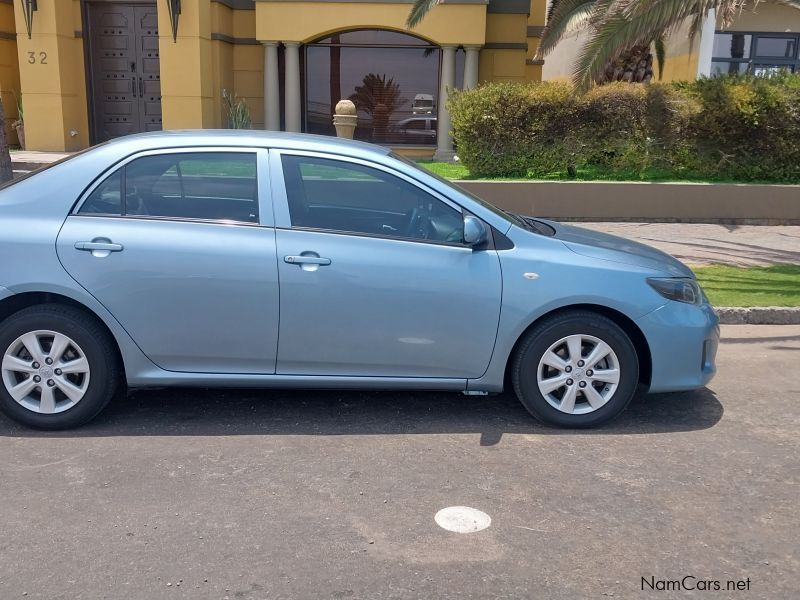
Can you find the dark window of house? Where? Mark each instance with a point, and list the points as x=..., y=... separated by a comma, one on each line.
x=390, y=76
x=756, y=53
x=347, y=197
x=776, y=47
x=415, y=124
x=732, y=45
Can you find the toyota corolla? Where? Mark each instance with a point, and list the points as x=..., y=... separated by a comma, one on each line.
x=254, y=259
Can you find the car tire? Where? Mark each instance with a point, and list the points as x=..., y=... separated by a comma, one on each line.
x=89, y=360
x=564, y=390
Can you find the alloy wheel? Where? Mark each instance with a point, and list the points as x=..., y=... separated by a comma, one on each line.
x=45, y=371
x=578, y=374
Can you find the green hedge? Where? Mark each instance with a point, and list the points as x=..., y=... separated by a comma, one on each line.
x=724, y=128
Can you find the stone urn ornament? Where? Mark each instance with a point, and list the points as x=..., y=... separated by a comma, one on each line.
x=345, y=119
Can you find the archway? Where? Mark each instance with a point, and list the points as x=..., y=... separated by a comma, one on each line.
x=392, y=76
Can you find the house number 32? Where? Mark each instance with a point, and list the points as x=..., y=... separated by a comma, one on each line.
x=40, y=57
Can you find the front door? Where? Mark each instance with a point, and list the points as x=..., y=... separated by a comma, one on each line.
x=124, y=72
x=375, y=279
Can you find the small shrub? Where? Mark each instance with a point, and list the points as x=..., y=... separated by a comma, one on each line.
x=613, y=127
x=748, y=127
x=236, y=111
x=510, y=129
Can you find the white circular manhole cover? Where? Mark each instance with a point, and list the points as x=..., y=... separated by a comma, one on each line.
x=462, y=519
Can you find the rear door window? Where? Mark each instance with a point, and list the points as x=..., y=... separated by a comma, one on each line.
x=206, y=186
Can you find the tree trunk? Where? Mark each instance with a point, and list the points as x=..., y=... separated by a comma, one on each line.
x=336, y=72
x=635, y=65
x=6, y=170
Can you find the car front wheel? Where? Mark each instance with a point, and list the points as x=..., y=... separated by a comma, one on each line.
x=576, y=369
x=59, y=367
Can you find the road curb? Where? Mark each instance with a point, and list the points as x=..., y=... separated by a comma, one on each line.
x=760, y=315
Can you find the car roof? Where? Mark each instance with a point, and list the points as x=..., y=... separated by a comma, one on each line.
x=242, y=137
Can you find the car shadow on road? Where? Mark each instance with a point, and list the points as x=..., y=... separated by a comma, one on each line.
x=195, y=412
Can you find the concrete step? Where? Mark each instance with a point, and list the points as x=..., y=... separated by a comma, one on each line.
x=25, y=161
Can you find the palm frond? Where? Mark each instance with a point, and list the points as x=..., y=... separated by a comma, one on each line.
x=418, y=12
x=565, y=17
x=650, y=18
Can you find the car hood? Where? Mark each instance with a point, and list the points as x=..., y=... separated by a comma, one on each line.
x=605, y=246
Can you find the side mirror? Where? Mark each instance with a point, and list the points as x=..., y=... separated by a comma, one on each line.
x=474, y=231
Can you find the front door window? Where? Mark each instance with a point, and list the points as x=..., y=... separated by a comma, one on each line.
x=352, y=198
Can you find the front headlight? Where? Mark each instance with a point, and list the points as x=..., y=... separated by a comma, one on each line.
x=678, y=289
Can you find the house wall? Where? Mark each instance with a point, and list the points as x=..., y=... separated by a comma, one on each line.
x=766, y=17
x=218, y=46
x=52, y=79
x=306, y=21
x=187, y=84
x=680, y=63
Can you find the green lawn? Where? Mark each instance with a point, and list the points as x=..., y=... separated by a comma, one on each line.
x=447, y=170
x=459, y=171
x=778, y=285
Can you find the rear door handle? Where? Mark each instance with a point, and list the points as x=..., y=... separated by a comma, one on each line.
x=101, y=246
x=306, y=260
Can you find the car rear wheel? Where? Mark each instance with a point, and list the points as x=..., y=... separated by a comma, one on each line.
x=59, y=367
x=577, y=369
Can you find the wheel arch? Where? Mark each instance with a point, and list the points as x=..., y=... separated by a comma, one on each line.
x=624, y=322
x=20, y=301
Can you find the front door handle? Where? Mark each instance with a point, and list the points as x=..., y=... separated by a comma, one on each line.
x=307, y=260
x=101, y=246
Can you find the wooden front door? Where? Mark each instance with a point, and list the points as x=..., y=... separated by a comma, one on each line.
x=124, y=73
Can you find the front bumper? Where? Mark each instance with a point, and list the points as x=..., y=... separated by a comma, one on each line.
x=683, y=340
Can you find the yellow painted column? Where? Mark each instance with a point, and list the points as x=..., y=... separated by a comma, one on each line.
x=187, y=82
x=52, y=76
x=9, y=68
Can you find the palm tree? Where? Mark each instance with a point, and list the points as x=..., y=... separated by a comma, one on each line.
x=336, y=70
x=634, y=64
x=621, y=32
x=379, y=97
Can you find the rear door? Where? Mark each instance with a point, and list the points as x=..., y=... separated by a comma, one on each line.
x=179, y=246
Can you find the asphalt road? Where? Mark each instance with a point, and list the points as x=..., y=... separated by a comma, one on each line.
x=196, y=494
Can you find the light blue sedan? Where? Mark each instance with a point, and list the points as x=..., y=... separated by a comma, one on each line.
x=219, y=258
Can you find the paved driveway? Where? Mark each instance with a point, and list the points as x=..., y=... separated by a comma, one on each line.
x=194, y=494
x=703, y=243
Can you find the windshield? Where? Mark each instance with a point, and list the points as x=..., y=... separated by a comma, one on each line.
x=510, y=217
